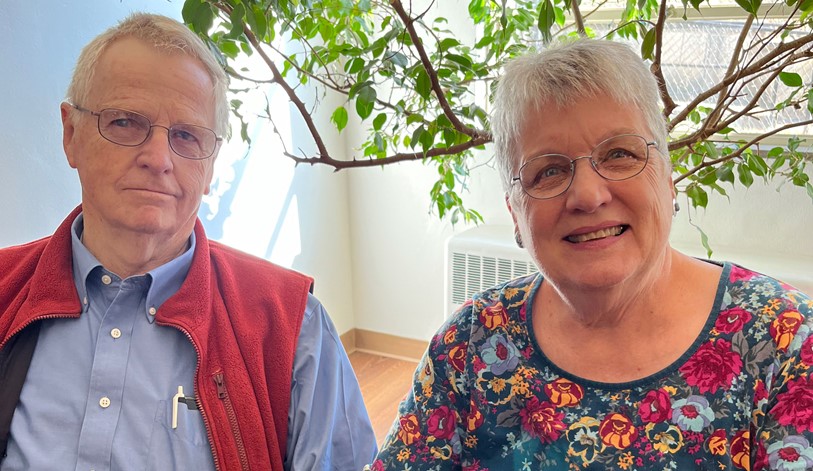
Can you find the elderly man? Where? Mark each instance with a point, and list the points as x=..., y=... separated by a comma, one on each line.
x=130, y=341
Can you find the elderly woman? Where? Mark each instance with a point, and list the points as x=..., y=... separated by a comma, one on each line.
x=622, y=353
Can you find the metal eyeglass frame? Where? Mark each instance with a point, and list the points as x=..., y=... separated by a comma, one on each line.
x=592, y=165
x=98, y=115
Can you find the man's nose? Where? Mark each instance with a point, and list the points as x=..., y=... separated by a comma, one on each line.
x=155, y=152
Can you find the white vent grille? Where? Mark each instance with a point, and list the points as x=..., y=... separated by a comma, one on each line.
x=480, y=258
x=474, y=273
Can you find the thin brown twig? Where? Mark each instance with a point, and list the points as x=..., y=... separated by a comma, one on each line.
x=431, y=72
x=740, y=150
x=715, y=114
x=656, y=69
x=399, y=157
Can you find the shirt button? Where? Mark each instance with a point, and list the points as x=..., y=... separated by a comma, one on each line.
x=115, y=333
x=106, y=279
x=85, y=300
x=152, y=311
x=104, y=402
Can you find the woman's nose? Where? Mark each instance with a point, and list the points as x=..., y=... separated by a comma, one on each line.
x=588, y=190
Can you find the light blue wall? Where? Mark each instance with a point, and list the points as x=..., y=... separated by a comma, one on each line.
x=40, y=43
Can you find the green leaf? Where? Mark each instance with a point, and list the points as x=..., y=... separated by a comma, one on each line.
x=379, y=121
x=464, y=61
x=799, y=177
x=414, y=118
x=648, y=44
x=809, y=189
x=744, y=175
x=751, y=7
x=365, y=101
x=237, y=17
x=778, y=162
x=260, y=23
x=423, y=85
x=189, y=11
x=545, y=20
x=447, y=43
x=397, y=58
x=704, y=239
x=791, y=79
x=697, y=195
x=448, y=180
x=229, y=48
x=757, y=164
x=198, y=15
x=711, y=149
x=725, y=172
x=354, y=65
x=379, y=142
x=339, y=117
x=477, y=10
x=416, y=136
x=810, y=101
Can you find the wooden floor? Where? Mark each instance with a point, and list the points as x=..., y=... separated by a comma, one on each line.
x=384, y=383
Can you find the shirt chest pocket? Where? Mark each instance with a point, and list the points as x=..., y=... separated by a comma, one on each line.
x=184, y=447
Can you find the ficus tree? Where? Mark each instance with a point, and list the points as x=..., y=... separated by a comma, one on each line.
x=421, y=91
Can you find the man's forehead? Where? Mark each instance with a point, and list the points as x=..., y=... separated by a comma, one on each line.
x=133, y=74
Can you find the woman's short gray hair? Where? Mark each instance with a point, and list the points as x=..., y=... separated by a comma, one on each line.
x=162, y=33
x=565, y=73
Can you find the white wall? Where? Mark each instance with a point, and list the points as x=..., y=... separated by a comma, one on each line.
x=297, y=217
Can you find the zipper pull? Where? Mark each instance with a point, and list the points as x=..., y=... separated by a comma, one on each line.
x=221, y=386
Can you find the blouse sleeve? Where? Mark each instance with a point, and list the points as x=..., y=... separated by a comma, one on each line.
x=782, y=431
x=431, y=419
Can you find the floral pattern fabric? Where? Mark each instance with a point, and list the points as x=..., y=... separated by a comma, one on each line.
x=485, y=397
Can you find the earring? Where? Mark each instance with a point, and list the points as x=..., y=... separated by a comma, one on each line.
x=518, y=239
x=675, y=207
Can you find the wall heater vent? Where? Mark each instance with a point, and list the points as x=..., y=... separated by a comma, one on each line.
x=480, y=258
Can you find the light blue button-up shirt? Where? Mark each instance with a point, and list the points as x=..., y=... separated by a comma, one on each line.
x=98, y=394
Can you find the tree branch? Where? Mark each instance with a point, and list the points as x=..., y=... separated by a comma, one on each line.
x=741, y=149
x=668, y=103
x=292, y=96
x=717, y=112
x=399, y=157
x=710, y=128
x=753, y=68
x=577, y=17
x=430, y=71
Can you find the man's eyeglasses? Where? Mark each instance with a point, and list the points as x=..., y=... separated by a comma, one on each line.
x=617, y=158
x=130, y=129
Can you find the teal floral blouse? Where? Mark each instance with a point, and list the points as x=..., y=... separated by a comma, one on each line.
x=486, y=398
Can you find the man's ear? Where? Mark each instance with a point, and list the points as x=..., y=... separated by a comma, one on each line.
x=68, y=132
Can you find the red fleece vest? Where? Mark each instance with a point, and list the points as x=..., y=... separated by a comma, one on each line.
x=241, y=313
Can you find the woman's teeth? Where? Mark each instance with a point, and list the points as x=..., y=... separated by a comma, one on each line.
x=600, y=234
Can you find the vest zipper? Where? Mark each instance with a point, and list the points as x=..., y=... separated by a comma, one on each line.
x=223, y=395
x=206, y=423
x=37, y=319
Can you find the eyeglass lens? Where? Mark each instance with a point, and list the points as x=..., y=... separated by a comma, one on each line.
x=616, y=158
x=132, y=129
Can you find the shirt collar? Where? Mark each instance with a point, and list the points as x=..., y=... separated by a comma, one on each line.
x=166, y=279
x=83, y=261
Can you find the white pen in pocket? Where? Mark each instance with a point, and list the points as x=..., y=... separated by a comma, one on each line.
x=175, y=400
